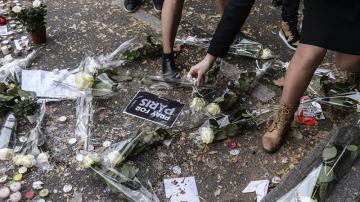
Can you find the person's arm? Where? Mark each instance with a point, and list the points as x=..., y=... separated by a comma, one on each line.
x=229, y=26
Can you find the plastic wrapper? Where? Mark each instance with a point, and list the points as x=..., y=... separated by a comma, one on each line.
x=130, y=188
x=120, y=151
x=8, y=132
x=244, y=47
x=35, y=136
x=12, y=71
x=303, y=191
x=84, y=117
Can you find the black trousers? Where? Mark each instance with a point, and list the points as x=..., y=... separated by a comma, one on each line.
x=229, y=26
x=290, y=10
x=233, y=19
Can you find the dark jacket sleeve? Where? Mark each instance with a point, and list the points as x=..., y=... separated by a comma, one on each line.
x=229, y=26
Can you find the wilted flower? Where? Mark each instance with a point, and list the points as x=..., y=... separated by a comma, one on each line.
x=197, y=104
x=213, y=109
x=114, y=158
x=6, y=154
x=90, y=160
x=36, y=3
x=207, y=135
x=84, y=80
x=16, y=9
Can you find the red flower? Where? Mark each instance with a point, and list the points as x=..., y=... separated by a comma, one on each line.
x=231, y=144
x=2, y=21
x=29, y=194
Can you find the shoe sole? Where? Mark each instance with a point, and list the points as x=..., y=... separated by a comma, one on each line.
x=282, y=37
x=131, y=11
x=157, y=10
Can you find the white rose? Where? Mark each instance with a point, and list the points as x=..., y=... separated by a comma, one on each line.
x=114, y=158
x=266, y=54
x=16, y=9
x=207, y=135
x=197, y=104
x=17, y=160
x=90, y=160
x=84, y=80
x=24, y=160
x=213, y=109
x=6, y=154
x=43, y=158
x=36, y=3
x=29, y=161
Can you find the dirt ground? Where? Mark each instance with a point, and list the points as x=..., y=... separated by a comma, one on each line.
x=76, y=27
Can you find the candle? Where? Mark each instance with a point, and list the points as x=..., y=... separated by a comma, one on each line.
x=5, y=50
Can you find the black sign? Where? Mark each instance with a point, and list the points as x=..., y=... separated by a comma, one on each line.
x=153, y=108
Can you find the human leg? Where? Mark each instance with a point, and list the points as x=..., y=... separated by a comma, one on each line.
x=289, y=32
x=170, y=20
x=302, y=67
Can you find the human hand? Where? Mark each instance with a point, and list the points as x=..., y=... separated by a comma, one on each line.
x=197, y=71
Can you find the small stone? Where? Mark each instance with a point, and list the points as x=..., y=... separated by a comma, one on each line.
x=106, y=144
x=72, y=141
x=15, y=197
x=4, y=192
x=176, y=170
x=284, y=160
x=22, y=170
x=15, y=186
x=67, y=188
x=275, y=180
x=234, y=152
x=37, y=185
x=62, y=119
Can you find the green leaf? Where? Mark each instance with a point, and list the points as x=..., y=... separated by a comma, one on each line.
x=329, y=153
x=129, y=171
x=246, y=80
x=226, y=101
x=326, y=175
x=27, y=94
x=228, y=131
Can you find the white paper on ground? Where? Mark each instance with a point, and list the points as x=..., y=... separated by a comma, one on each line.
x=260, y=187
x=3, y=30
x=181, y=189
x=43, y=83
x=304, y=189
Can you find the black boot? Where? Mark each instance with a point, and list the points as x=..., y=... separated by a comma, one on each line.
x=169, y=71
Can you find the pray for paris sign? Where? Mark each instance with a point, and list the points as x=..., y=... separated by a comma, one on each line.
x=153, y=108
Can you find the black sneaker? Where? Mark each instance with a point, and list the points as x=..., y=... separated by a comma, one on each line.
x=158, y=4
x=131, y=6
x=289, y=34
x=169, y=70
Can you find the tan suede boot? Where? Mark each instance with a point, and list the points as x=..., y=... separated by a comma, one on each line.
x=272, y=140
